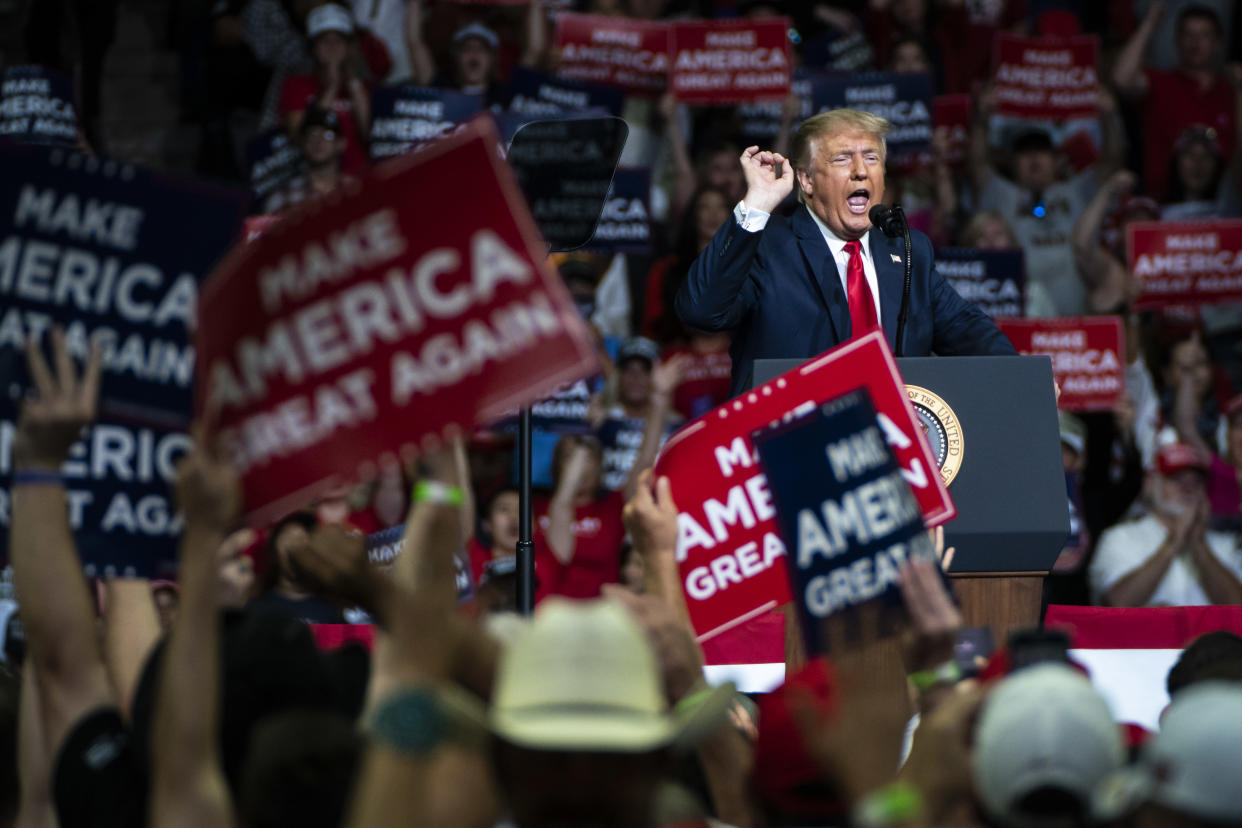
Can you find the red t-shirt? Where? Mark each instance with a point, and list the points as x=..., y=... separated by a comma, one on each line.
x=1176, y=101
x=299, y=91
x=548, y=570
x=598, y=533
x=705, y=381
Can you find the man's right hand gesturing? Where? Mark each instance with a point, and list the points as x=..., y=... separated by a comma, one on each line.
x=769, y=178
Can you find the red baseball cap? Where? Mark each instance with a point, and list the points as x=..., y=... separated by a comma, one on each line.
x=1175, y=457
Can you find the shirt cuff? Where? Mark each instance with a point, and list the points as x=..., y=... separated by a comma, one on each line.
x=750, y=219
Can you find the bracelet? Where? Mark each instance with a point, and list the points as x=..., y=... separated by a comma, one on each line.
x=692, y=701
x=947, y=672
x=409, y=721
x=895, y=802
x=37, y=477
x=433, y=491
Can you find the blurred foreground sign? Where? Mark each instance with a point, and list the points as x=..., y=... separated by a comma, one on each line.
x=377, y=323
x=729, y=548
x=844, y=508
x=114, y=255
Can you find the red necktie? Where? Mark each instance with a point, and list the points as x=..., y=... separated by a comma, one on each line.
x=862, y=306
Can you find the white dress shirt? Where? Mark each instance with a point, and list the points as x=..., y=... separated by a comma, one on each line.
x=753, y=220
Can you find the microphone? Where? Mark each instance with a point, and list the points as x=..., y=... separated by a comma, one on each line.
x=889, y=221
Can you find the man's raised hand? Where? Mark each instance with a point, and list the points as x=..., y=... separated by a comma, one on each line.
x=769, y=178
x=53, y=420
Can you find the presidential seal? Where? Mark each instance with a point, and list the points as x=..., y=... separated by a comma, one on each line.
x=943, y=430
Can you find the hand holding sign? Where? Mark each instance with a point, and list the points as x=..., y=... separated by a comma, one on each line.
x=53, y=420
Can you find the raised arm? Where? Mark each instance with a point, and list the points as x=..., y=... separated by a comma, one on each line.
x=980, y=155
x=536, y=34
x=561, y=509
x=1128, y=74
x=717, y=293
x=34, y=762
x=1112, y=152
x=57, y=611
x=665, y=377
x=1096, y=266
x=131, y=629
x=684, y=180
x=422, y=67
x=187, y=785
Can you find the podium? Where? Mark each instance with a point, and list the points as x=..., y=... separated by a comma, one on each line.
x=1000, y=429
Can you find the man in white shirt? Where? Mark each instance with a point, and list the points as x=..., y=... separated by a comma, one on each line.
x=1169, y=558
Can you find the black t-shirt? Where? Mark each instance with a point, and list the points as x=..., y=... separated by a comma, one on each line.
x=312, y=610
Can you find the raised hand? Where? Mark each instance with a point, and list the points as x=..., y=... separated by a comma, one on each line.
x=667, y=375
x=769, y=178
x=335, y=566
x=207, y=487
x=64, y=405
x=651, y=518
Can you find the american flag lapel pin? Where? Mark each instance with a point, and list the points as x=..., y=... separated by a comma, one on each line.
x=895, y=257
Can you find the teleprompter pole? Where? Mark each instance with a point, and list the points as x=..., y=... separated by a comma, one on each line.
x=525, y=544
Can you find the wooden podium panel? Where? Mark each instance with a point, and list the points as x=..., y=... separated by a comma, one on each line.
x=1004, y=601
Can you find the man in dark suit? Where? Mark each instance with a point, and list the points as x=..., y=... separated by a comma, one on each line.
x=797, y=287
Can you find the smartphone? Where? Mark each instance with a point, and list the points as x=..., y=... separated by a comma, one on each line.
x=974, y=646
x=1035, y=646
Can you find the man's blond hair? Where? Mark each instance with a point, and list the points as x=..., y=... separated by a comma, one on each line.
x=830, y=123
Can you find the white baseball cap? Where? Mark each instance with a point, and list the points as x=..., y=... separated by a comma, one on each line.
x=583, y=676
x=1043, y=727
x=1194, y=764
x=328, y=18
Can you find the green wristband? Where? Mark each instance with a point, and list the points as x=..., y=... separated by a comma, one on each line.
x=945, y=673
x=894, y=803
x=433, y=491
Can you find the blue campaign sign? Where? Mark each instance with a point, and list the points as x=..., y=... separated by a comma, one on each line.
x=847, y=516
x=904, y=99
x=995, y=280
x=533, y=93
x=272, y=160
x=625, y=222
x=404, y=116
x=761, y=120
x=36, y=107
x=114, y=254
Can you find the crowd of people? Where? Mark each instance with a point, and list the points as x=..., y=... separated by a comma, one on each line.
x=597, y=712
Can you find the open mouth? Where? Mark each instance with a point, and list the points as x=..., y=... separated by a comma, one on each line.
x=857, y=201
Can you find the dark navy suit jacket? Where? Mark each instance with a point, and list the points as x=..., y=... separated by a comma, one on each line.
x=779, y=292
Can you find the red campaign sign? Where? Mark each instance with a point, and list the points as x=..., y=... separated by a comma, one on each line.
x=1186, y=262
x=1046, y=78
x=951, y=117
x=730, y=61
x=1088, y=356
x=730, y=553
x=379, y=321
x=613, y=51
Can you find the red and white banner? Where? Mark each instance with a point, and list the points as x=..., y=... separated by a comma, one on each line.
x=1185, y=262
x=1128, y=652
x=613, y=51
x=1088, y=356
x=731, y=557
x=1046, y=78
x=376, y=321
x=730, y=61
x=951, y=124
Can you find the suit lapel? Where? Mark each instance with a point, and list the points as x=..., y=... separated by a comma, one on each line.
x=890, y=274
x=824, y=272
